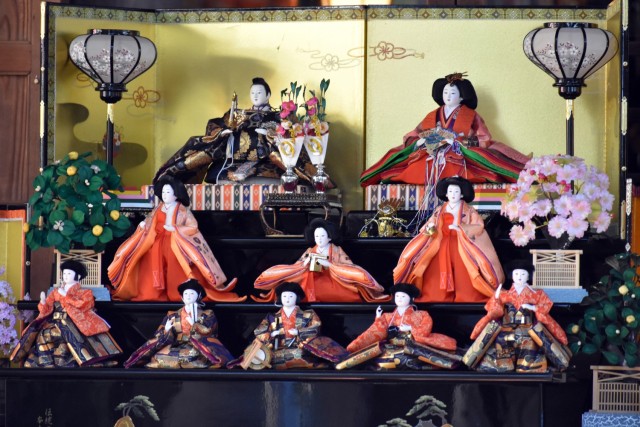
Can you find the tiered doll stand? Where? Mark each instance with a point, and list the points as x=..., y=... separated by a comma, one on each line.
x=356, y=397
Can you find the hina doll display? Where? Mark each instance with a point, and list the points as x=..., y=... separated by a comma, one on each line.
x=517, y=333
x=67, y=332
x=290, y=338
x=235, y=147
x=451, y=140
x=324, y=271
x=452, y=258
x=186, y=338
x=403, y=339
x=166, y=249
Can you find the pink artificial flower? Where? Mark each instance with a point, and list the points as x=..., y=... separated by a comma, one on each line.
x=312, y=101
x=557, y=226
x=567, y=173
x=581, y=207
x=297, y=129
x=284, y=113
x=312, y=111
x=280, y=130
x=518, y=235
x=324, y=127
x=602, y=222
x=286, y=124
x=576, y=226
x=606, y=201
x=289, y=105
x=530, y=229
x=510, y=210
x=562, y=205
x=541, y=207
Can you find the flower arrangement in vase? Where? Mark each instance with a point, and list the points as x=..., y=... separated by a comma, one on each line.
x=8, y=316
x=611, y=321
x=560, y=195
x=69, y=206
x=290, y=134
x=316, y=130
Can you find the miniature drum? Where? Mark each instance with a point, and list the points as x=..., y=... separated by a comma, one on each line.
x=257, y=356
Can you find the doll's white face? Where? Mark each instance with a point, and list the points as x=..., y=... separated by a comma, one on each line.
x=259, y=96
x=321, y=237
x=520, y=277
x=451, y=96
x=68, y=277
x=168, y=195
x=454, y=194
x=402, y=299
x=189, y=296
x=288, y=299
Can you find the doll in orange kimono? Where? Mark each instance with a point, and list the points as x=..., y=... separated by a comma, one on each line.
x=406, y=336
x=451, y=140
x=517, y=333
x=452, y=258
x=67, y=333
x=324, y=271
x=167, y=249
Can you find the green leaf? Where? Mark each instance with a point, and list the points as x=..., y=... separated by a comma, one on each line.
x=630, y=347
x=590, y=325
x=58, y=215
x=106, y=236
x=629, y=274
x=95, y=183
x=95, y=198
x=122, y=223
x=575, y=347
x=598, y=340
x=113, y=205
x=631, y=359
x=589, y=348
x=611, y=329
x=97, y=217
x=610, y=311
x=68, y=227
x=54, y=238
x=624, y=331
x=88, y=239
x=77, y=217
x=612, y=358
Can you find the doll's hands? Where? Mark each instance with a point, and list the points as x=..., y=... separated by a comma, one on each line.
x=169, y=227
x=168, y=325
x=261, y=131
x=276, y=333
x=323, y=262
x=421, y=142
x=226, y=132
x=293, y=332
x=498, y=289
x=405, y=328
x=454, y=227
x=529, y=307
x=306, y=261
x=378, y=312
x=43, y=297
x=142, y=224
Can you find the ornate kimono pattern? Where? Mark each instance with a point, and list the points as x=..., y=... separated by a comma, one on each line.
x=66, y=333
x=515, y=347
x=138, y=275
x=343, y=281
x=233, y=156
x=398, y=345
x=288, y=350
x=183, y=345
x=474, y=155
x=449, y=265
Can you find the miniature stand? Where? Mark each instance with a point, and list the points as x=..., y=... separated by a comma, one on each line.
x=276, y=201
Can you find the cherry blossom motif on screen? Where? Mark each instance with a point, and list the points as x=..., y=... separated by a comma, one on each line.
x=559, y=192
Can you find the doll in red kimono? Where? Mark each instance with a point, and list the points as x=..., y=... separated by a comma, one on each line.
x=518, y=334
x=167, y=249
x=186, y=338
x=405, y=336
x=67, y=332
x=452, y=258
x=324, y=271
x=451, y=140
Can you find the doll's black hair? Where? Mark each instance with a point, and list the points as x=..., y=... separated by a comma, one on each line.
x=330, y=228
x=290, y=287
x=259, y=81
x=77, y=267
x=178, y=187
x=467, y=92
